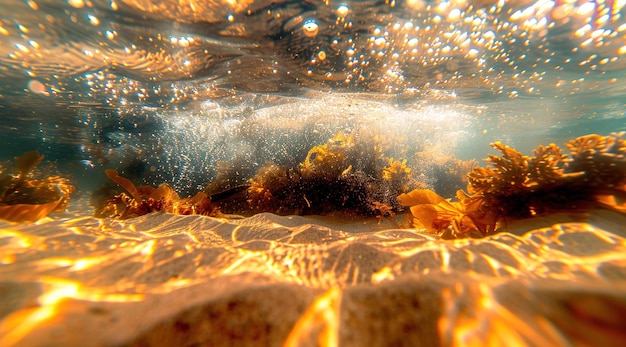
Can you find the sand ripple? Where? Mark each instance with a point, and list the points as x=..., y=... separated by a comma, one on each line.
x=269, y=280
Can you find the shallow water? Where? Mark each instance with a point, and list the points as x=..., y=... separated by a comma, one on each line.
x=176, y=93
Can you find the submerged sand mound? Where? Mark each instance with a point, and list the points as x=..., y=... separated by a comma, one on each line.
x=163, y=279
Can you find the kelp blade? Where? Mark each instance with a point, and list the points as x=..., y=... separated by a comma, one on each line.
x=28, y=212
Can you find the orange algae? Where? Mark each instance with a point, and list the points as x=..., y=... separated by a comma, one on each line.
x=349, y=174
x=25, y=199
x=519, y=186
x=147, y=199
x=437, y=214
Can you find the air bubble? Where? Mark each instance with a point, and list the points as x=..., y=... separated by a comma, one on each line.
x=310, y=28
x=93, y=20
x=76, y=3
x=343, y=10
x=37, y=87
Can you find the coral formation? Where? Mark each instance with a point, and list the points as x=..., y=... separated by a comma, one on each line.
x=24, y=199
x=518, y=186
x=146, y=199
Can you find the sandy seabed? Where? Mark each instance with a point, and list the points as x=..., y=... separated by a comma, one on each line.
x=267, y=280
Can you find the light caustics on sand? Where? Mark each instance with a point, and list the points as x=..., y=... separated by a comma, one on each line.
x=106, y=270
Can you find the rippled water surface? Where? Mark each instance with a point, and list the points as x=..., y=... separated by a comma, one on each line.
x=195, y=93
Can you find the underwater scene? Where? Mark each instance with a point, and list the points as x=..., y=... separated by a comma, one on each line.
x=312, y=173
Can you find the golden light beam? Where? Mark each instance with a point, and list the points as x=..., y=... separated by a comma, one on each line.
x=19, y=324
x=319, y=322
x=485, y=322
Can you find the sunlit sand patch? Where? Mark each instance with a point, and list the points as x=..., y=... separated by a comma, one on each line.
x=319, y=323
x=186, y=269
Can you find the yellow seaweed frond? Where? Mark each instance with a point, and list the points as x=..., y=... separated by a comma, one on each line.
x=147, y=199
x=342, y=175
x=272, y=187
x=397, y=175
x=438, y=215
x=396, y=171
x=420, y=197
x=520, y=186
x=27, y=162
x=28, y=212
x=330, y=157
x=125, y=183
x=546, y=165
x=514, y=173
x=509, y=172
x=28, y=200
x=600, y=160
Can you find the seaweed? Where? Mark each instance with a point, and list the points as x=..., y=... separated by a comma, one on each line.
x=519, y=186
x=347, y=174
x=435, y=214
x=26, y=199
x=147, y=199
x=343, y=154
x=599, y=160
x=598, y=165
x=283, y=190
x=274, y=189
x=397, y=175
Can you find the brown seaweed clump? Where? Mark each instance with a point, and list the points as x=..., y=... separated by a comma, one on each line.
x=519, y=186
x=146, y=199
x=347, y=174
x=25, y=199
